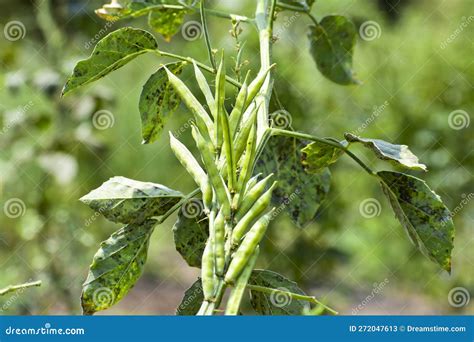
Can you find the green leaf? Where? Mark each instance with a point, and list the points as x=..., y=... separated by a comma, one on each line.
x=300, y=194
x=316, y=156
x=126, y=200
x=332, y=46
x=158, y=101
x=191, y=231
x=399, y=155
x=275, y=303
x=192, y=300
x=166, y=22
x=420, y=210
x=116, y=267
x=111, y=53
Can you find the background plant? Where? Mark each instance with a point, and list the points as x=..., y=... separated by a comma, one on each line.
x=235, y=212
x=357, y=248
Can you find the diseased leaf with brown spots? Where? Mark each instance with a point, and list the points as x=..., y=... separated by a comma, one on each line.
x=298, y=193
x=191, y=231
x=399, y=155
x=126, y=200
x=332, y=46
x=111, y=53
x=420, y=210
x=158, y=101
x=275, y=303
x=192, y=300
x=316, y=156
x=116, y=267
x=166, y=22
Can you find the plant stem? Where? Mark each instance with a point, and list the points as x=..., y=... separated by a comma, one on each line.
x=163, y=218
x=327, y=141
x=295, y=296
x=199, y=64
x=291, y=8
x=13, y=288
x=206, y=36
x=313, y=19
x=264, y=18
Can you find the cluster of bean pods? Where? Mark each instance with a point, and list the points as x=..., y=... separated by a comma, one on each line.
x=235, y=202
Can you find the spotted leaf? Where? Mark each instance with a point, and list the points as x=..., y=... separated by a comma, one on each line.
x=158, y=101
x=116, y=267
x=129, y=201
x=191, y=231
x=298, y=193
x=275, y=303
x=166, y=22
x=191, y=301
x=316, y=156
x=332, y=46
x=399, y=155
x=420, y=210
x=111, y=53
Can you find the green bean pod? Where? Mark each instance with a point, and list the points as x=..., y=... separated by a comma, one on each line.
x=229, y=152
x=239, y=107
x=235, y=298
x=255, y=211
x=247, y=160
x=191, y=165
x=207, y=194
x=240, y=140
x=256, y=85
x=207, y=271
x=251, y=195
x=237, y=199
x=251, y=183
x=214, y=177
x=247, y=248
x=205, y=89
x=203, y=121
x=219, y=243
x=219, y=103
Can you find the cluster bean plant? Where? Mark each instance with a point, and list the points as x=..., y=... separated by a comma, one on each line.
x=245, y=166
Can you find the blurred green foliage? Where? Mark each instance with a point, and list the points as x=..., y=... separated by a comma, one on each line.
x=51, y=153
